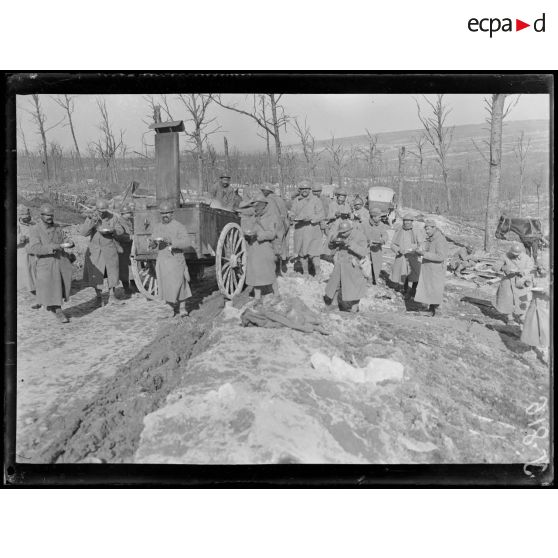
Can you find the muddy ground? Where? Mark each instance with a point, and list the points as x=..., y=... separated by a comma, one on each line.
x=123, y=384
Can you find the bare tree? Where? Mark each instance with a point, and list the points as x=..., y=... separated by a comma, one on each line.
x=308, y=143
x=419, y=143
x=439, y=136
x=521, y=149
x=56, y=157
x=39, y=118
x=67, y=103
x=271, y=124
x=496, y=110
x=26, y=149
x=370, y=153
x=401, y=156
x=227, y=159
x=201, y=126
x=107, y=145
x=338, y=155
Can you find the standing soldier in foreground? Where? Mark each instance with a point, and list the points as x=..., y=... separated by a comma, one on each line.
x=406, y=266
x=307, y=213
x=376, y=235
x=170, y=238
x=512, y=297
x=317, y=190
x=125, y=240
x=281, y=242
x=434, y=252
x=26, y=263
x=101, y=257
x=347, y=279
x=260, y=231
x=53, y=279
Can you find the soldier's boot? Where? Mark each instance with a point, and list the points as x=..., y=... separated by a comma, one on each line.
x=35, y=306
x=127, y=288
x=185, y=313
x=304, y=264
x=112, y=298
x=433, y=309
x=284, y=267
x=99, y=296
x=175, y=309
x=60, y=316
x=316, y=262
x=413, y=291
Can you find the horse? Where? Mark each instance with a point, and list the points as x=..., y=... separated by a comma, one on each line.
x=529, y=232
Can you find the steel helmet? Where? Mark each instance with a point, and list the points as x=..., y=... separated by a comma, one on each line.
x=317, y=188
x=166, y=207
x=375, y=211
x=46, y=209
x=516, y=248
x=408, y=217
x=128, y=208
x=102, y=204
x=358, y=200
x=267, y=188
x=340, y=192
x=304, y=185
x=345, y=226
x=260, y=198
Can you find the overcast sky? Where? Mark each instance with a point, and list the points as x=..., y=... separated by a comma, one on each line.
x=341, y=115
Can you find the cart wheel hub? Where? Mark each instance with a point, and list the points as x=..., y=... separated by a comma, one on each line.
x=234, y=260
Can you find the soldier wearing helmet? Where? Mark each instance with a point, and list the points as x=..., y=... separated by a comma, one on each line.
x=25, y=262
x=170, y=239
x=53, y=279
x=307, y=213
x=317, y=190
x=512, y=297
x=376, y=234
x=340, y=208
x=281, y=242
x=101, y=257
x=347, y=281
x=227, y=195
x=125, y=239
x=434, y=251
x=360, y=213
x=405, y=270
x=260, y=232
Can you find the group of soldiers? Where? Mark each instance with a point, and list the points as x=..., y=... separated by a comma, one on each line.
x=352, y=235
x=349, y=234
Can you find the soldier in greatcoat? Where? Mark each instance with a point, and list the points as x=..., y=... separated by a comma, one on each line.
x=376, y=234
x=281, y=242
x=307, y=213
x=227, y=195
x=347, y=279
x=513, y=295
x=126, y=240
x=101, y=257
x=434, y=251
x=26, y=262
x=260, y=231
x=359, y=212
x=406, y=266
x=53, y=279
x=340, y=208
x=170, y=238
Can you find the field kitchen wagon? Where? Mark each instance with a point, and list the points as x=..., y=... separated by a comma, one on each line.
x=215, y=234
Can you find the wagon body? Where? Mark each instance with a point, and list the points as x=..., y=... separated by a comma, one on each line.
x=203, y=223
x=383, y=198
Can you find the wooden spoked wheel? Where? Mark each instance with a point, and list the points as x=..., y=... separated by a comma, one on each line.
x=230, y=260
x=145, y=278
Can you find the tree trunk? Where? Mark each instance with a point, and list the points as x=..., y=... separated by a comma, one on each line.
x=421, y=190
x=227, y=160
x=277, y=139
x=492, y=206
x=400, y=175
x=446, y=187
x=521, y=192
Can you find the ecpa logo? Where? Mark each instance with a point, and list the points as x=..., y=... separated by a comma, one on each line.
x=494, y=24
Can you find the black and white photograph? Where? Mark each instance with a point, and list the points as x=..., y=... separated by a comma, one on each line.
x=254, y=278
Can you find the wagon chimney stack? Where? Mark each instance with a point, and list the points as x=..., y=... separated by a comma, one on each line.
x=167, y=160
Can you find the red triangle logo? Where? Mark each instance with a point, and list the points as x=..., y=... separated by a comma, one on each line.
x=519, y=25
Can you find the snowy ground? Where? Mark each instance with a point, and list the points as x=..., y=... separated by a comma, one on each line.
x=115, y=385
